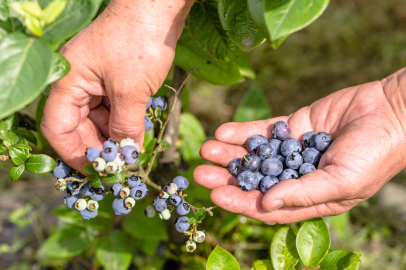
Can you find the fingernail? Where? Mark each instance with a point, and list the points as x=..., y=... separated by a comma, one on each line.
x=277, y=204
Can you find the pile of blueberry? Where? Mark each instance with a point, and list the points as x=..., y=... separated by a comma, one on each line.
x=154, y=103
x=278, y=159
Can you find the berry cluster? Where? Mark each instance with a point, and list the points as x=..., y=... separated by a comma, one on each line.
x=278, y=159
x=154, y=103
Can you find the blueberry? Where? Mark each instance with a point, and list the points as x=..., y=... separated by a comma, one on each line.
x=289, y=146
x=159, y=102
x=281, y=159
x=199, y=237
x=255, y=141
x=139, y=191
x=72, y=186
x=149, y=211
x=312, y=156
x=235, y=167
x=182, y=224
x=115, y=189
x=87, y=189
x=149, y=125
x=160, y=204
x=133, y=180
x=119, y=160
x=183, y=209
x=281, y=130
x=288, y=174
x=125, y=142
x=98, y=194
x=250, y=162
x=70, y=200
x=294, y=161
x=61, y=170
x=175, y=199
x=130, y=154
x=321, y=141
x=259, y=175
x=92, y=153
x=306, y=168
x=110, y=150
x=181, y=182
x=119, y=207
x=110, y=143
x=272, y=166
x=149, y=103
x=276, y=145
x=307, y=138
x=247, y=181
x=265, y=151
x=267, y=183
x=87, y=214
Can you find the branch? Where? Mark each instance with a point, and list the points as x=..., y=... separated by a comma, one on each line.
x=148, y=181
x=208, y=210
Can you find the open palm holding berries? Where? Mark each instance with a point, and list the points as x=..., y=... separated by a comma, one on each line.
x=366, y=152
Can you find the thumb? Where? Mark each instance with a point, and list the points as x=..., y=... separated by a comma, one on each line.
x=311, y=189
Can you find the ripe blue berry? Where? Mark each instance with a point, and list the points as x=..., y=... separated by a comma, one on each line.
x=276, y=145
x=272, y=166
x=312, y=156
x=160, y=204
x=70, y=200
x=139, y=191
x=181, y=182
x=254, y=142
x=130, y=154
x=110, y=143
x=235, y=167
x=175, y=199
x=288, y=174
x=289, y=146
x=182, y=224
x=281, y=159
x=267, y=183
x=321, y=141
x=133, y=180
x=87, y=214
x=307, y=138
x=149, y=103
x=247, y=181
x=115, y=189
x=259, y=175
x=92, y=153
x=87, y=189
x=149, y=125
x=109, y=153
x=119, y=207
x=294, y=161
x=73, y=186
x=61, y=170
x=250, y=162
x=306, y=168
x=98, y=194
x=159, y=102
x=265, y=151
x=281, y=130
x=183, y=209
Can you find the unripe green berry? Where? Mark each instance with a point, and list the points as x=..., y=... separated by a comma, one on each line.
x=190, y=246
x=92, y=205
x=124, y=192
x=111, y=167
x=199, y=237
x=171, y=188
x=61, y=184
x=129, y=202
x=119, y=160
x=165, y=215
x=126, y=142
x=99, y=164
x=81, y=204
x=150, y=211
x=164, y=195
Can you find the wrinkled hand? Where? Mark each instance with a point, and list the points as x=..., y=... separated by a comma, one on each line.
x=117, y=63
x=368, y=125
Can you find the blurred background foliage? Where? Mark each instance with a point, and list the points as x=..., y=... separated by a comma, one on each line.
x=354, y=42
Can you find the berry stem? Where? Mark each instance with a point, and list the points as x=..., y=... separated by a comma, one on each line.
x=81, y=185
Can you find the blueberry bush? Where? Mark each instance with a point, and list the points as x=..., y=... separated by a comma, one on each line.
x=216, y=35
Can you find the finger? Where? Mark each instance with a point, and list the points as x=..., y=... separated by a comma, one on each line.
x=221, y=153
x=211, y=176
x=100, y=117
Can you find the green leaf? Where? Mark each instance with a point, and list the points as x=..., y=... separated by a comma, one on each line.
x=11, y=121
x=40, y=164
x=22, y=146
x=27, y=134
x=20, y=217
x=207, y=32
x=60, y=67
x=240, y=27
x=88, y=168
x=355, y=266
x=221, y=259
x=113, y=251
x=190, y=148
x=339, y=259
x=253, y=107
x=4, y=10
x=313, y=242
x=192, y=220
x=11, y=139
x=283, y=249
x=16, y=172
x=142, y=227
x=190, y=127
x=114, y=178
x=41, y=142
x=32, y=8
x=24, y=67
x=95, y=180
x=34, y=26
x=71, y=20
x=263, y=265
x=189, y=56
x=3, y=130
x=65, y=243
x=53, y=10
x=284, y=17
x=200, y=214
x=17, y=155
x=245, y=67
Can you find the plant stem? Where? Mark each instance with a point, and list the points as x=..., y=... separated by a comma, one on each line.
x=148, y=181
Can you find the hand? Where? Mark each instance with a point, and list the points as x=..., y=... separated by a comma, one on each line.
x=367, y=123
x=117, y=63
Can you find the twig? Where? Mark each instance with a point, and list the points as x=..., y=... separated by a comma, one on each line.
x=148, y=181
x=85, y=263
x=208, y=210
x=81, y=185
x=4, y=158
